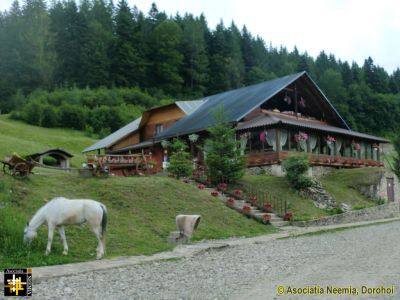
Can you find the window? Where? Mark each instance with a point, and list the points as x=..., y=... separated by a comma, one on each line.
x=159, y=128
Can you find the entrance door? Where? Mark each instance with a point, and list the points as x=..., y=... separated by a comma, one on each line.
x=390, y=189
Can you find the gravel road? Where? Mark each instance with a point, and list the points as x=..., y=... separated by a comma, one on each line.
x=367, y=256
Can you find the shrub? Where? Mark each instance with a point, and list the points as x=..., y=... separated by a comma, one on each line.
x=295, y=167
x=180, y=164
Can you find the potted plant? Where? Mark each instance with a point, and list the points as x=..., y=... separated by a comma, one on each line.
x=231, y=201
x=215, y=193
x=201, y=186
x=238, y=193
x=253, y=200
x=266, y=218
x=267, y=207
x=246, y=208
x=288, y=216
x=222, y=187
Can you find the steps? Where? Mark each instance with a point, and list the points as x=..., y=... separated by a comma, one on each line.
x=254, y=212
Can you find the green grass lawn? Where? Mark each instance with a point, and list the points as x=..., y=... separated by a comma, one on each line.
x=342, y=185
x=302, y=208
x=141, y=210
x=26, y=139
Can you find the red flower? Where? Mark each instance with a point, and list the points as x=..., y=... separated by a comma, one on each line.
x=246, y=208
x=231, y=201
x=201, y=186
x=238, y=193
x=288, y=216
x=253, y=199
x=266, y=218
x=267, y=207
x=222, y=186
x=214, y=193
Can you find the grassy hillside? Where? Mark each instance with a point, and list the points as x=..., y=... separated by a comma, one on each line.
x=142, y=212
x=25, y=139
x=302, y=208
x=343, y=185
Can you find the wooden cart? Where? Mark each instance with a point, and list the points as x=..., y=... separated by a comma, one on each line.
x=17, y=166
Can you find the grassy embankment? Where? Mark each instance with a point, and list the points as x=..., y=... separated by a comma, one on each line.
x=142, y=210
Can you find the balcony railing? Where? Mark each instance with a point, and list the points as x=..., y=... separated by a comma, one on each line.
x=271, y=158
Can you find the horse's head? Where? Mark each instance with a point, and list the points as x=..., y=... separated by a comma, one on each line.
x=29, y=234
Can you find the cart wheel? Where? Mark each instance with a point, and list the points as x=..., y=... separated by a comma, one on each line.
x=20, y=169
x=6, y=169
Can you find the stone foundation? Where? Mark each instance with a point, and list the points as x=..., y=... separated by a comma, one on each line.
x=390, y=210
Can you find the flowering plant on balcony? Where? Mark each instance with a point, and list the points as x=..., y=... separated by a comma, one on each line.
x=246, y=208
x=267, y=207
x=301, y=137
x=330, y=140
x=238, y=193
x=356, y=146
x=201, y=186
x=266, y=218
x=375, y=146
x=231, y=201
x=253, y=199
x=222, y=187
x=215, y=193
x=288, y=216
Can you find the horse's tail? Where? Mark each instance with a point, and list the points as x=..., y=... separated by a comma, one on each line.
x=103, y=220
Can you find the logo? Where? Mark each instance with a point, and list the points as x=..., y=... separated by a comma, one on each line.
x=17, y=282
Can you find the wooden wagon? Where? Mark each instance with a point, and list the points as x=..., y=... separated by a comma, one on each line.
x=17, y=166
x=123, y=165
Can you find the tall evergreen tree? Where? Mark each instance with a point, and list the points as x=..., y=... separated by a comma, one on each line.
x=167, y=60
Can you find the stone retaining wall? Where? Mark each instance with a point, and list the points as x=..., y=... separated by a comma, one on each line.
x=384, y=211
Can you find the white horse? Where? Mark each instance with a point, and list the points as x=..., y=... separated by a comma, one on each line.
x=61, y=211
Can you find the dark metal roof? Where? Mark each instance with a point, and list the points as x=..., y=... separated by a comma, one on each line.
x=273, y=119
x=236, y=104
x=115, y=136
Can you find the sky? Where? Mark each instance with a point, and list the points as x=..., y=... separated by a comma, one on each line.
x=352, y=30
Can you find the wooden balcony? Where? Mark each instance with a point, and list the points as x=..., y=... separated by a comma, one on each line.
x=271, y=158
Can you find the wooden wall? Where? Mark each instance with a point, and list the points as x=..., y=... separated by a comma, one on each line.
x=131, y=139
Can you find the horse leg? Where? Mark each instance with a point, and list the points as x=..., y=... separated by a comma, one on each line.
x=50, y=237
x=64, y=239
x=97, y=232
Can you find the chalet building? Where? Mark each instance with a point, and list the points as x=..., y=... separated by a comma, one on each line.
x=272, y=119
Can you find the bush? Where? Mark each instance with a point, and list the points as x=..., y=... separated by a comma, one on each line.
x=180, y=164
x=223, y=159
x=295, y=167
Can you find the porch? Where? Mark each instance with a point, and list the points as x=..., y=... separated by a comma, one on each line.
x=271, y=137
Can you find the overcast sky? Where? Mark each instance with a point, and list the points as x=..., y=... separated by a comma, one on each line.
x=350, y=29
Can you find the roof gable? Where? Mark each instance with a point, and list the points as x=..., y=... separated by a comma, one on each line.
x=237, y=104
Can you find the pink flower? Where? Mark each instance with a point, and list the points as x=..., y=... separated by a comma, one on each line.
x=330, y=139
x=222, y=186
x=288, y=216
x=301, y=136
x=253, y=199
x=214, y=193
x=267, y=207
x=246, y=208
x=231, y=201
x=201, y=186
x=266, y=218
x=238, y=193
